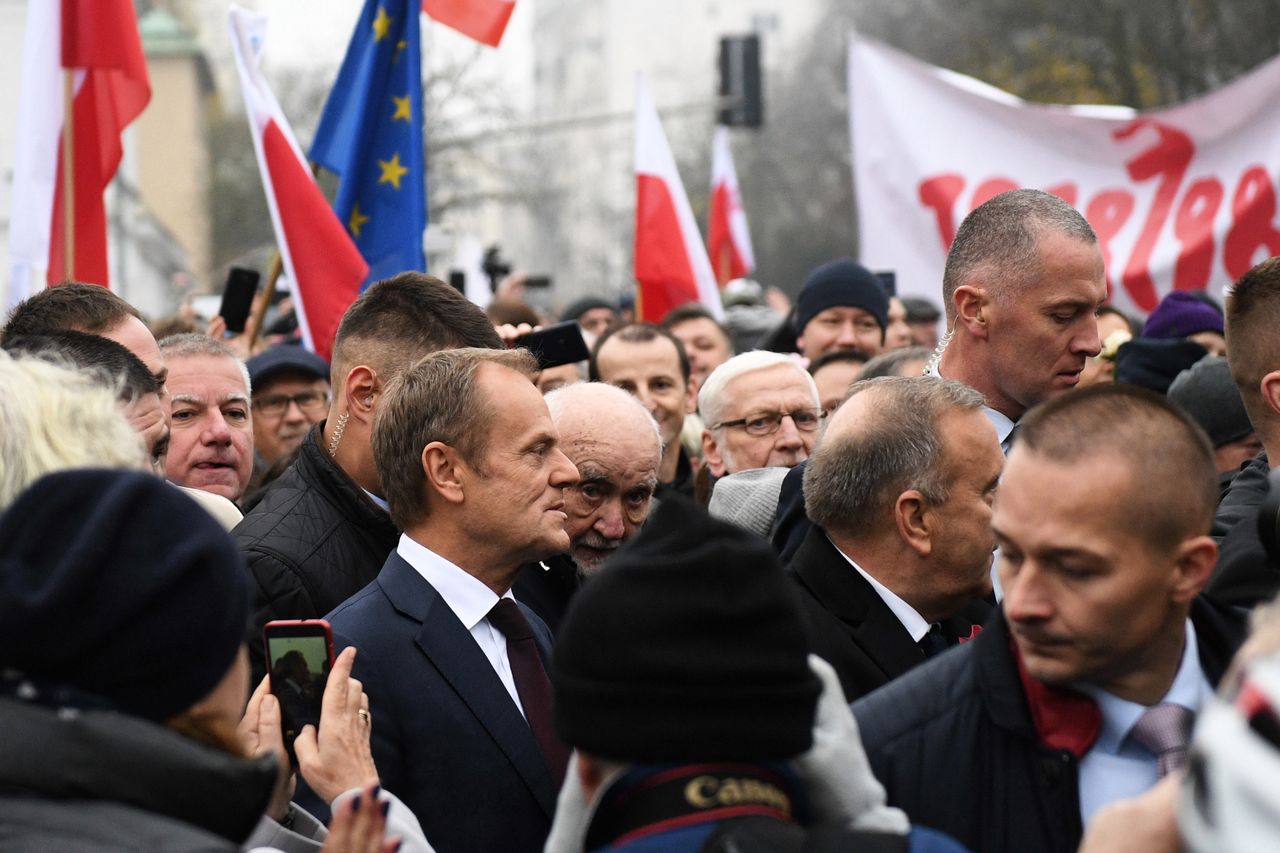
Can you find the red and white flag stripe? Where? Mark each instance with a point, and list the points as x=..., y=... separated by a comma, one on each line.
x=325, y=268
x=483, y=20
x=728, y=239
x=98, y=41
x=671, y=263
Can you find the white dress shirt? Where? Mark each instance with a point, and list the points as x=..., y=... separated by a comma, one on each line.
x=470, y=600
x=915, y=624
x=1117, y=766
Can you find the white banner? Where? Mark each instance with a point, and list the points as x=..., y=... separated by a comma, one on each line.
x=1181, y=198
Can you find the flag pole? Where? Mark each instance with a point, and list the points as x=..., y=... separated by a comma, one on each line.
x=68, y=175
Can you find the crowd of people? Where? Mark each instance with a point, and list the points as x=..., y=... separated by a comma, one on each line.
x=858, y=573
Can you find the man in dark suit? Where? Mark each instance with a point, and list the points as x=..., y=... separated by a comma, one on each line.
x=898, y=561
x=468, y=460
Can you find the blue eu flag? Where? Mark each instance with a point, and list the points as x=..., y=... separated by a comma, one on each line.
x=370, y=136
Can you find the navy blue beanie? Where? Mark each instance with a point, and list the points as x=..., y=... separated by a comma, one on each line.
x=841, y=283
x=117, y=586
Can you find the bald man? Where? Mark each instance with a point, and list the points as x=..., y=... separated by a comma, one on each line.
x=615, y=444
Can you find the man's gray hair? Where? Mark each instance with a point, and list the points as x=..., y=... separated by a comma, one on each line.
x=585, y=397
x=1000, y=240
x=194, y=345
x=712, y=401
x=854, y=478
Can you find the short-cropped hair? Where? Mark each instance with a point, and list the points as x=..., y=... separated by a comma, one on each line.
x=196, y=345
x=1253, y=334
x=637, y=333
x=712, y=400
x=1174, y=489
x=854, y=479
x=70, y=305
x=1000, y=240
x=435, y=399
x=889, y=363
x=113, y=365
x=401, y=319
x=54, y=417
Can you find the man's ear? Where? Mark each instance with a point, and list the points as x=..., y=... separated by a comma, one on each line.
x=361, y=392
x=711, y=454
x=691, y=401
x=1193, y=562
x=445, y=472
x=914, y=522
x=1270, y=387
x=970, y=303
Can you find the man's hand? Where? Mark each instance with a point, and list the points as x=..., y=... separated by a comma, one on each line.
x=338, y=757
x=1147, y=822
x=261, y=733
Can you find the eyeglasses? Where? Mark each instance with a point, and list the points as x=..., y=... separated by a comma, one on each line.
x=310, y=402
x=767, y=423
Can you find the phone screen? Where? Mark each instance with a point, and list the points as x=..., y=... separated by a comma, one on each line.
x=299, y=668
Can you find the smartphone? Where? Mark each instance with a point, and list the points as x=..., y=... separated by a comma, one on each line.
x=539, y=282
x=556, y=345
x=299, y=657
x=237, y=297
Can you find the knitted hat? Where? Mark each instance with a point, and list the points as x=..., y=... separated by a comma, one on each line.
x=1153, y=364
x=283, y=358
x=688, y=646
x=116, y=585
x=578, y=307
x=1209, y=394
x=748, y=498
x=841, y=283
x=1180, y=314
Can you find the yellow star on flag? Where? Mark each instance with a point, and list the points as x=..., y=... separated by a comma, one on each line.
x=403, y=109
x=381, y=24
x=392, y=171
x=400, y=45
x=356, y=220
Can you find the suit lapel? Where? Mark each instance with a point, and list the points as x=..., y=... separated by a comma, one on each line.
x=847, y=595
x=454, y=653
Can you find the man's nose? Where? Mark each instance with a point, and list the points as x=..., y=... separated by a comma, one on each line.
x=1026, y=598
x=563, y=472
x=216, y=429
x=609, y=523
x=787, y=436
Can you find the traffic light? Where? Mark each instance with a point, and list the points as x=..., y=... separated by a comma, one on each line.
x=741, y=102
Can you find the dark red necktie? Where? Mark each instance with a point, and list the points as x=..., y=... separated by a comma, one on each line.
x=532, y=683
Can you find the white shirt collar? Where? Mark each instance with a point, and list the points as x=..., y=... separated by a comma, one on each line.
x=915, y=624
x=467, y=596
x=379, y=502
x=1190, y=689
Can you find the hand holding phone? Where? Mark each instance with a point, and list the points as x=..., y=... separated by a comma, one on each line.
x=299, y=658
x=237, y=298
x=555, y=345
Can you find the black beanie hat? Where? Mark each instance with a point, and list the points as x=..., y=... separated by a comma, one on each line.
x=688, y=646
x=841, y=283
x=116, y=585
x=1153, y=363
x=1209, y=394
x=575, y=309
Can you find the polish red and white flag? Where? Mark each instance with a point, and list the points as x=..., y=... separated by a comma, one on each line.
x=728, y=239
x=89, y=50
x=671, y=263
x=324, y=266
x=483, y=20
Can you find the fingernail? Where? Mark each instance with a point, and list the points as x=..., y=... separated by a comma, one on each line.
x=399, y=844
x=355, y=803
x=386, y=807
x=377, y=789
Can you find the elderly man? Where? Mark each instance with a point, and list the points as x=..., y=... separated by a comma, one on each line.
x=651, y=364
x=472, y=470
x=1022, y=286
x=290, y=394
x=210, y=416
x=900, y=495
x=321, y=531
x=1083, y=688
x=616, y=447
x=762, y=411
x=842, y=305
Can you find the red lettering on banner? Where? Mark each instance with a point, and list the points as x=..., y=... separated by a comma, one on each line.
x=1066, y=191
x=940, y=194
x=1193, y=226
x=989, y=189
x=1107, y=213
x=1168, y=159
x=1253, y=210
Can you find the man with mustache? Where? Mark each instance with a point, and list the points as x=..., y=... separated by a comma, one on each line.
x=615, y=444
x=1082, y=689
